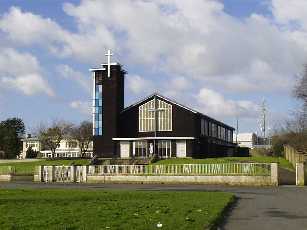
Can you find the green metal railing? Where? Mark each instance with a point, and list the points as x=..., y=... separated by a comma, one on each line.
x=6, y=170
x=15, y=170
x=227, y=169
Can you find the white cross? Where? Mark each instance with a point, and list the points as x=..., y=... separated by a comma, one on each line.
x=109, y=54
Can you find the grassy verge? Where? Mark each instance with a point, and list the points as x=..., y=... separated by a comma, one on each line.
x=27, y=168
x=261, y=159
x=80, y=209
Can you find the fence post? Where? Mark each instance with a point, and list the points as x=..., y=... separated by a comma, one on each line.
x=40, y=174
x=91, y=170
x=84, y=173
x=300, y=174
x=73, y=173
x=274, y=174
x=50, y=173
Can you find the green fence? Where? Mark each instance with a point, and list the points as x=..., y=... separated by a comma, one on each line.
x=5, y=170
x=16, y=170
x=227, y=169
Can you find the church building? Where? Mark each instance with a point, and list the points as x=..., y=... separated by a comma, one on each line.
x=155, y=126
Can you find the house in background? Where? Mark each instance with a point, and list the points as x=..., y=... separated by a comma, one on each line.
x=251, y=140
x=68, y=148
x=28, y=142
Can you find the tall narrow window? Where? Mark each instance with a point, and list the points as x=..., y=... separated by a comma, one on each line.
x=164, y=116
x=230, y=136
x=97, y=111
x=214, y=130
x=223, y=136
x=202, y=127
x=206, y=128
x=147, y=117
x=210, y=129
x=141, y=149
x=164, y=148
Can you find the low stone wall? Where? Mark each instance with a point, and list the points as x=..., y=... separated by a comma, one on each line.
x=294, y=156
x=8, y=178
x=246, y=180
x=248, y=174
x=21, y=178
x=37, y=178
x=214, y=180
x=301, y=174
x=5, y=178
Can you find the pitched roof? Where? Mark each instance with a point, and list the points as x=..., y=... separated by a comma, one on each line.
x=162, y=97
x=173, y=102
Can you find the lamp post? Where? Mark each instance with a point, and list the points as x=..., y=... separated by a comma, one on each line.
x=156, y=126
x=237, y=130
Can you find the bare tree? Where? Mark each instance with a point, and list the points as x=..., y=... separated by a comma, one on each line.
x=83, y=134
x=300, y=92
x=51, y=137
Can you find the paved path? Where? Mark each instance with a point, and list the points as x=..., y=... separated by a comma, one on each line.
x=270, y=208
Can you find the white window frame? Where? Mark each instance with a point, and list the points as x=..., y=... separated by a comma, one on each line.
x=148, y=113
x=141, y=145
x=167, y=146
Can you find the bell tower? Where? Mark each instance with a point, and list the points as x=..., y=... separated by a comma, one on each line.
x=108, y=102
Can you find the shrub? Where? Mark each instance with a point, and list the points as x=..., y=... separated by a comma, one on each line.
x=30, y=153
x=296, y=140
x=260, y=152
x=241, y=151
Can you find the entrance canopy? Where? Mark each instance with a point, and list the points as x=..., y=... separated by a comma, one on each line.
x=144, y=147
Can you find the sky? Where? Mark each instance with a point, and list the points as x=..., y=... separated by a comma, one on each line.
x=221, y=58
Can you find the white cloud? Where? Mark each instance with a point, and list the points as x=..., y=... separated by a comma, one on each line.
x=83, y=107
x=139, y=85
x=69, y=73
x=176, y=87
x=196, y=42
x=293, y=19
x=21, y=71
x=290, y=12
x=27, y=28
x=212, y=103
x=196, y=39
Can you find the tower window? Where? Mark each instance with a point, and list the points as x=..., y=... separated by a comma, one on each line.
x=97, y=111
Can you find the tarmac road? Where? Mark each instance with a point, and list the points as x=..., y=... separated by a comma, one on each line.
x=283, y=207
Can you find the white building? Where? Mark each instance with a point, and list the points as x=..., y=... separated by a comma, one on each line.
x=246, y=140
x=28, y=142
x=67, y=148
x=251, y=140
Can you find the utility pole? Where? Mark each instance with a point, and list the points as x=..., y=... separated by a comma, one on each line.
x=156, y=109
x=263, y=118
x=237, y=130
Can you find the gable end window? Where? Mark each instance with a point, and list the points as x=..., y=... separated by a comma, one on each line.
x=155, y=112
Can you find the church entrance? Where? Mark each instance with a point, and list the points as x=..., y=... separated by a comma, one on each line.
x=164, y=149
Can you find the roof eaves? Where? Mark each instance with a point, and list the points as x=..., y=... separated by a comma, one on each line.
x=162, y=97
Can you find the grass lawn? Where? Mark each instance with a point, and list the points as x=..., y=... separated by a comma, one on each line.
x=282, y=161
x=27, y=168
x=108, y=209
